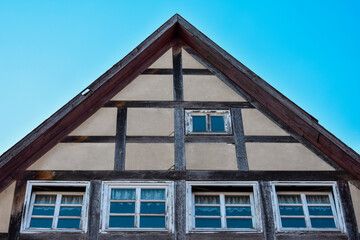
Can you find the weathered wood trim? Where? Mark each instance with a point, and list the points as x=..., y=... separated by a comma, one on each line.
x=348, y=210
x=169, y=71
x=120, y=144
x=209, y=139
x=225, y=236
x=53, y=235
x=94, y=210
x=193, y=175
x=3, y=236
x=89, y=139
x=179, y=139
x=178, y=104
x=240, y=148
x=271, y=139
x=180, y=210
x=17, y=210
x=177, y=74
x=268, y=220
x=136, y=235
x=301, y=235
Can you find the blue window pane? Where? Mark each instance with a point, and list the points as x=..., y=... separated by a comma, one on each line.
x=153, y=194
x=293, y=222
x=317, y=199
x=320, y=211
x=322, y=223
x=121, y=222
x=45, y=199
x=70, y=211
x=238, y=211
x=152, y=222
x=289, y=198
x=122, y=207
x=199, y=123
x=68, y=223
x=71, y=199
x=207, y=211
x=291, y=210
x=44, y=211
x=41, y=222
x=123, y=194
x=207, y=223
x=217, y=124
x=237, y=199
x=239, y=223
x=199, y=199
x=156, y=208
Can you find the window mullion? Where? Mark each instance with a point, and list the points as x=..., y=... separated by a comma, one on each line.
x=137, y=207
x=223, y=211
x=208, y=123
x=306, y=211
x=57, y=210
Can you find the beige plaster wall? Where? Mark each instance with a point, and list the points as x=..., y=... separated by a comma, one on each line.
x=256, y=123
x=283, y=156
x=165, y=61
x=6, y=200
x=208, y=88
x=189, y=62
x=149, y=156
x=210, y=156
x=150, y=122
x=101, y=123
x=355, y=195
x=148, y=87
x=77, y=156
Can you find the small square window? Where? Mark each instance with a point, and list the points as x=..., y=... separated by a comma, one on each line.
x=302, y=207
x=208, y=122
x=223, y=207
x=55, y=206
x=137, y=206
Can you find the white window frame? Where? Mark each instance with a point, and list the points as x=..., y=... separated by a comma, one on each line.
x=29, y=204
x=335, y=204
x=169, y=203
x=254, y=199
x=207, y=113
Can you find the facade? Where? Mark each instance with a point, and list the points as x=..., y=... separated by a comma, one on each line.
x=179, y=140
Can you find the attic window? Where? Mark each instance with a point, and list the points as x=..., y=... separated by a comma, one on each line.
x=55, y=206
x=208, y=122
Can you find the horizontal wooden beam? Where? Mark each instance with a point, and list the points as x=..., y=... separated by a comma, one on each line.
x=169, y=71
x=190, y=175
x=271, y=139
x=178, y=104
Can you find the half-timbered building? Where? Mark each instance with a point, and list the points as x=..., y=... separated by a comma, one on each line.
x=179, y=140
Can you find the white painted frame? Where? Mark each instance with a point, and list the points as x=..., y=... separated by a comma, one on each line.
x=207, y=113
x=255, y=205
x=335, y=204
x=169, y=203
x=29, y=202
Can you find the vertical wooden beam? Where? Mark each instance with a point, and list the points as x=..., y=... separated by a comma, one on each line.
x=179, y=117
x=120, y=144
x=240, y=148
x=94, y=210
x=17, y=210
x=180, y=210
x=348, y=210
x=267, y=211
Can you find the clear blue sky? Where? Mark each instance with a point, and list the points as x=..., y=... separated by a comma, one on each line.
x=51, y=50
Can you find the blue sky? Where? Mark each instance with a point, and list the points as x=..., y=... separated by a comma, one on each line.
x=52, y=50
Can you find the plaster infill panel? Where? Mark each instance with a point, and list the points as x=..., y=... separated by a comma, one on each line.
x=101, y=123
x=189, y=62
x=283, y=157
x=77, y=156
x=355, y=196
x=150, y=122
x=6, y=200
x=147, y=88
x=208, y=88
x=165, y=61
x=256, y=123
x=210, y=156
x=149, y=156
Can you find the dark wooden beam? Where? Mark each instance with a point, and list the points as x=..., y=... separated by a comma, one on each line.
x=169, y=71
x=17, y=210
x=268, y=220
x=120, y=144
x=94, y=210
x=180, y=210
x=240, y=148
x=178, y=104
x=271, y=139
